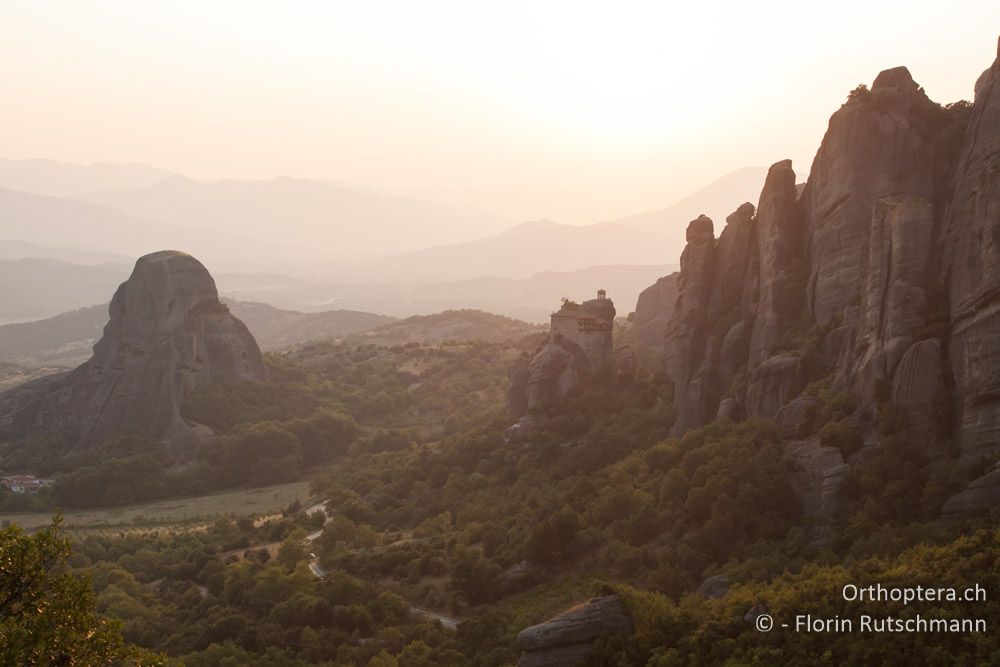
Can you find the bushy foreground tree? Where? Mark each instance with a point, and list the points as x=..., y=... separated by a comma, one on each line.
x=47, y=612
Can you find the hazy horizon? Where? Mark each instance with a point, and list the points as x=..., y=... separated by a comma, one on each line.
x=560, y=112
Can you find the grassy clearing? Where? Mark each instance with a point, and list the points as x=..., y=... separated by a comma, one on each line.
x=244, y=502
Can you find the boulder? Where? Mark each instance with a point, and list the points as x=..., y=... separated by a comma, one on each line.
x=566, y=640
x=168, y=335
x=982, y=494
x=791, y=416
x=714, y=587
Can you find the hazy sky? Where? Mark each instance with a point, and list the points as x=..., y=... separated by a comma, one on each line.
x=574, y=111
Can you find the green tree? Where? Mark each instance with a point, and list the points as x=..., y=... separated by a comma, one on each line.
x=47, y=612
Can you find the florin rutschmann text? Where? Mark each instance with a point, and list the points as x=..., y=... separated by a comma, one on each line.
x=903, y=622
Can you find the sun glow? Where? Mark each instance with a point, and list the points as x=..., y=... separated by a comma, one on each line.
x=575, y=111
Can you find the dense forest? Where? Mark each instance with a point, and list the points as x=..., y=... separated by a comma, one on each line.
x=432, y=505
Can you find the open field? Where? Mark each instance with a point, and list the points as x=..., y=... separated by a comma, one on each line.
x=244, y=502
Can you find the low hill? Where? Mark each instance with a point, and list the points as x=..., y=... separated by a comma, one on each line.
x=275, y=328
x=451, y=325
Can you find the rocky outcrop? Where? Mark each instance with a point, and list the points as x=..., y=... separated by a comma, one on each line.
x=705, y=342
x=567, y=639
x=736, y=298
x=653, y=311
x=168, y=335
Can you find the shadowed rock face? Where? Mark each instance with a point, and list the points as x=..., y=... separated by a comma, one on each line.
x=878, y=144
x=972, y=267
x=168, y=335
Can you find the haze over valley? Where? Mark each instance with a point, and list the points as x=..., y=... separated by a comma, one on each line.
x=314, y=246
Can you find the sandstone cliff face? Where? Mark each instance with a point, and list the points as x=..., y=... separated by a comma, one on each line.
x=168, y=335
x=878, y=144
x=882, y=275
x=972, y=268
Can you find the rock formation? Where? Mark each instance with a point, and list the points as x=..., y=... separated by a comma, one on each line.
x=567, y=639
x=653, y=311
x=579, y=347
x=168, y=335
x=881, y=276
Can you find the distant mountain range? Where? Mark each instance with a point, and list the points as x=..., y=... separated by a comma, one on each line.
x=316, y=219
x=61, y=179
x=45, y=221
x=249, y=233
x=716, y=200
